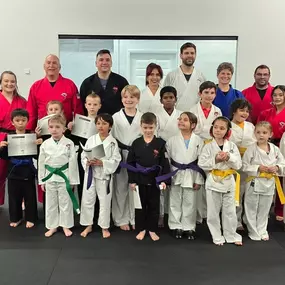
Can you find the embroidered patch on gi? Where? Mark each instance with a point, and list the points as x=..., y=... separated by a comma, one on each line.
x=155, y=152
x=216, y=114
x=64, y=95
x=282, y=124
x=115, y=89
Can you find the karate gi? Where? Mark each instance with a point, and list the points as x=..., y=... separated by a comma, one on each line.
x=224, y=101
x=258, y=105
x=21, y=175
x=183, y=198
x=111, y=99
x=148, y=155
x=59, y=209
x=167, y=126
x=259, y=191
x=123, y=210
x=149, y=102
x=203, y=131
x=102, y=185
x=243, y=137
x=221, y=193
x=42, y=92
x=6, y=126
x=187, y=91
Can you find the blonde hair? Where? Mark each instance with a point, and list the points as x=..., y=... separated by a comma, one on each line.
x=133, y=90
x=55, y=102
x=93, y=95
x=264, y=124
x=58, y=119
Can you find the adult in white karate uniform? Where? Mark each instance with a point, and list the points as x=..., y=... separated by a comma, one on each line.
x=206, y=112
x=125, y=130
x=184, y=148
x=243, y=136
x=186, y=79
x=102, y=171
x=266, y=158
x=150, y=96
x=56, y=152
x=216, y=158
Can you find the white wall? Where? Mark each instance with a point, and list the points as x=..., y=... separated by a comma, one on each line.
x=29, y=29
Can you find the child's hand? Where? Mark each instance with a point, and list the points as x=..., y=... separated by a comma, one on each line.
x=38, y=131
x=218, y=157
x=70, y=126
x=263, y=168
x=196, y=186
x=38, y=141
x=133, y=186
x=3, y=144
x=98, y=162
x=224, y=156
x=273, y=169
x=162, y=186
x=43, y=188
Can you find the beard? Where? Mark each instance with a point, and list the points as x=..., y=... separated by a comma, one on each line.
x=188, y=63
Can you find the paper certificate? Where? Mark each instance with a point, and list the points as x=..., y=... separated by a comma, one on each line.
x=95, y=152
x=83, y=127
x=137, y=199
x=22, y=145
x=43, y=125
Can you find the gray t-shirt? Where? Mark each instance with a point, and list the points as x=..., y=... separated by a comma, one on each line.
x=103, y=82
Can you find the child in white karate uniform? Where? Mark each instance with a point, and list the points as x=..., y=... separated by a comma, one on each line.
x=125, y=130
x=262, y=162
x=58, y=174
x=183, y=151
x=221, y=158
x=98, y=176
x=243, y=136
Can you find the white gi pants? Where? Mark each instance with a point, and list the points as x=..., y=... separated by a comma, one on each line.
x=239, y=209
x=123, y=210
x=182, y=208
x=59, y=208
x=164, y=201
x=225, y=202
x=98, y=187
x=257, y=208
x=201, y=204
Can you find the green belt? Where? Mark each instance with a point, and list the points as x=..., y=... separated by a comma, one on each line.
x=59, y=172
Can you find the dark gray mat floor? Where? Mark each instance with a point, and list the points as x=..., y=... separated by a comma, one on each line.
x=27, y=257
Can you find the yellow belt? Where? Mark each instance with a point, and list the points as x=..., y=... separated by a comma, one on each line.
x=223, y=174
x=242, y=150
x=207, y=141
x=277, y=183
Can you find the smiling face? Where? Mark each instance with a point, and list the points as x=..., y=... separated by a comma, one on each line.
x=207, y=96
x=225, y=76
x=154, y=78
x=241, y=115
x=148, y=130
x=52, y=66
x=278, y=98
x=129, y=101
x=262, y=77
x=188, y=56
x=104, y=63
x=8, y=83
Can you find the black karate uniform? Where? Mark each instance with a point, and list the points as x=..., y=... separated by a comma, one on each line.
x=21, y=185
x=148, y=155
x=110, y=97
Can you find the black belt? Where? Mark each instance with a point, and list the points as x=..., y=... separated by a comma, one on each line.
x=123, y=146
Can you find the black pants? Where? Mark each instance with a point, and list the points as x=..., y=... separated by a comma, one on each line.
x=19, y=190
x=147, y=217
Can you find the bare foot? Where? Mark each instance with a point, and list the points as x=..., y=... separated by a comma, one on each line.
x=161, y=222
x=238, y=243
x=50, y=232
x=154, y=236
x=125, y=228
x=140, y=235
x=29, y=225
x=219, y=244
x=67, y=232
x=87, y=231
x=106, y=233
x=14, y=225
x=279, y=218
x=133, y=227
x=265, y=239
x=23, y=206
x=240, y=228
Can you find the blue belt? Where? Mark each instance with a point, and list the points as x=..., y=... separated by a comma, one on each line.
x=20, y=162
